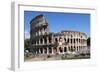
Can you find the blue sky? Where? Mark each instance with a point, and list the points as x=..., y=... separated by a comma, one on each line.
x=60, y=21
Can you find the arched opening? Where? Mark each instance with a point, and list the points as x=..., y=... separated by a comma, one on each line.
x=37, y=50
x=60, y=49
x=79, y=40
x=41, y=50
x=74, y=48
x=71, y=49
x=68, y=40
x=50, y=50
x=45, y=50
x=45, y=40
x=65, y=49
x=56, y=40
x=71, y=41
x=81, y=37
x=65, y=39
x=74, y=41
x=41, y=40
x=49, y=39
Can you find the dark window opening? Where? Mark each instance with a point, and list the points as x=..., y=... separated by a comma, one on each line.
x=41, y=40
x=79, y=40
x=71, y=40
x=81, y=36
x=45, y=50
x=56, y=39
x=50, y=40
x=50, y=50
x=45, y=40
x=68, y=40
x=60, y=49
x=74, y=40
x=71, y=49
x=65, y=39
x=37, y=50
x=65, y=49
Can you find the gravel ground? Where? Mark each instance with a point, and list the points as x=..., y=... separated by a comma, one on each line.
x=55, y=57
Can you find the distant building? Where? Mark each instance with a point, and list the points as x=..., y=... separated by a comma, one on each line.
x=44, y=42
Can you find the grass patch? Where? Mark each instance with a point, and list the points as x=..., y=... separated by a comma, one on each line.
x=68, y=57
x=28, y=57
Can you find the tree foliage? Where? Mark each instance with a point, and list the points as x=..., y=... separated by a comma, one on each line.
x=26, y=43
x=88, y=41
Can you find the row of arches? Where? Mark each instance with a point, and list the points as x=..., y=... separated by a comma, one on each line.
x=45, y=50
x=71, y=49
x=71, y=40
x=44, y=40
x=60, y=50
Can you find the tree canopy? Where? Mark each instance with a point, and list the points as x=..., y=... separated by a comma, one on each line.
x=26, y=43
x=88, y=41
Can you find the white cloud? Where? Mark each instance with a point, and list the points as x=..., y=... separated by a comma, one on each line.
x=27, y=34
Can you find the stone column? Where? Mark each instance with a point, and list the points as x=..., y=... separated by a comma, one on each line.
x=69, y=41
x=47, y=50
x=43, y=31
x=78, y=49
x=52, y=50
x=58, y=50
x=39, y=31
x=36, y=43
x=66, y=49
x=39, y=41
x=72, y=41
x=75, y=48
x=78, y=42
x=47, y=40
x=63, y=50
x=38, y=50
x=43, y=40
x=52, y=41
x=43, y=50
x=35, y=33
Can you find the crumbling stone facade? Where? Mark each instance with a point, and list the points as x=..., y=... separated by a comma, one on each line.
x=44, y=42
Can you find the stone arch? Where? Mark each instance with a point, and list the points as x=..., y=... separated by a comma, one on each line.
x=56, y=40
x=60, y=49
x=65, y=49
x=65, y=39
x=71, y=49
x=50, y=50
x=45, y=40
x=45, y=50
x=50, y=39
x=41, y=50
x=41, y=40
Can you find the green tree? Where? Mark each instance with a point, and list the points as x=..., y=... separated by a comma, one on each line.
x=26, y=43
x=88, y=41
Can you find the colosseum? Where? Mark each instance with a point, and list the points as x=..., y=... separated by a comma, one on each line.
x=44, y=42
